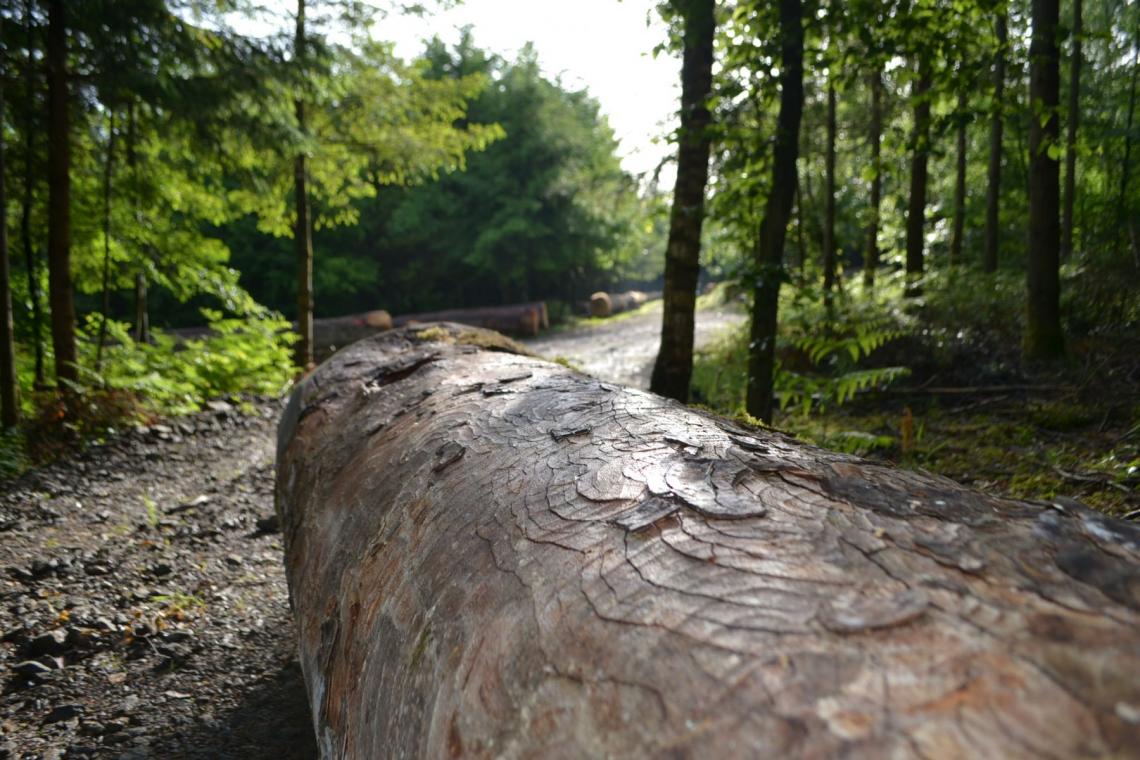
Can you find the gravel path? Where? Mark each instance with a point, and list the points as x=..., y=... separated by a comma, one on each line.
x=623, y=350
x=143, y=607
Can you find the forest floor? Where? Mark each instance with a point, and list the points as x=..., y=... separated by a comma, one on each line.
x=1030, y=433
x=143, y=605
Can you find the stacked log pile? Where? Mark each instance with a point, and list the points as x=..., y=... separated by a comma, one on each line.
x=337, y=332
x=603, y=304
x=521, y=320
x=493, y=556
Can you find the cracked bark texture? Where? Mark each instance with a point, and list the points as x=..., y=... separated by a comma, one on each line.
x=493, y=556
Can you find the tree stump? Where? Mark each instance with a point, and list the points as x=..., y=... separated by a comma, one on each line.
x=493, y=556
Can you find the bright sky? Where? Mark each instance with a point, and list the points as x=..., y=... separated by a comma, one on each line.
x=605, y=46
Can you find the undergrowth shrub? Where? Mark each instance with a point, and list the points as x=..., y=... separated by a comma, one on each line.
x=819, y=364
x=135, y=383
x=172, y=376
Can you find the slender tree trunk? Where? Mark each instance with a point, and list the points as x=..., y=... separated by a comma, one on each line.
x=801, y=240
x=61, y=293
x=769, y=250
x=142, y=316
x=829, y=196
x=108, y=176
x=9, y=381
x=959, y=185
x=303, y=230
x=142, y=313
x=993, y=179
x=1126, y=168
x=673, y=368
x=30, y=262
x=871, y=262
x=920, y=153
x=1043, y=338
x=1071, y=136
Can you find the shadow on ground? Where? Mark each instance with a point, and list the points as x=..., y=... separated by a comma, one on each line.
x=272, y=722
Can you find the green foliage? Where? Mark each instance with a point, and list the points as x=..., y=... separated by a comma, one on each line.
x=817, y=367
x=818, y=392
x=544, y=212
x=169, y=376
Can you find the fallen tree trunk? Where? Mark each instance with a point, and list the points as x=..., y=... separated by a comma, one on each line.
x=603, y=304
x=493, y=556
x=523, y=319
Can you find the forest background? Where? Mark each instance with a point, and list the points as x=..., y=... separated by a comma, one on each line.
x=163, y=169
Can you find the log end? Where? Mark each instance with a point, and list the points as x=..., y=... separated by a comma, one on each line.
x=600, y=305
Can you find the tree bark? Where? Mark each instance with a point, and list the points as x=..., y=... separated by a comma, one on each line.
x=60, y=291
x=491, y=555
x=108, y=176
x=801, y=241
x=9, y=380
x=993, y=180
x=30, y=263
x=1126, y=166
x=871, y=262
x=1043, y=337
x=769, y=249
x=303, y=229
x=920, y=153
x=142, y=309
x=673, y=369
x=829, y=196
x=1071, y=136
x=959, y=226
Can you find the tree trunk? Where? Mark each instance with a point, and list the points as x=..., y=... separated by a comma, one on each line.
x=959, y=185
x=673, y=368
x=829, y=196
x=993, y=179
x=142, y=315
x=303, y=229
x=9, y=380
x=1071, y=136
x=60, y=291
x=801, y=241
x=30, y=264
x=1043, y=337
x=492, y=556
x=142, y=310
x=769, y=250
x=871, y=262
x=920, y=153
x=1126, y=166
x=108, y=176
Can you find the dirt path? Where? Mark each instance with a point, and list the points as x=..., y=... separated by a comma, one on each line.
x=623, y=350
x=143, y=608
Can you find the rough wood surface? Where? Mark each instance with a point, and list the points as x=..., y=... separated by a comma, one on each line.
x=521, y=319
x=492, y=556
